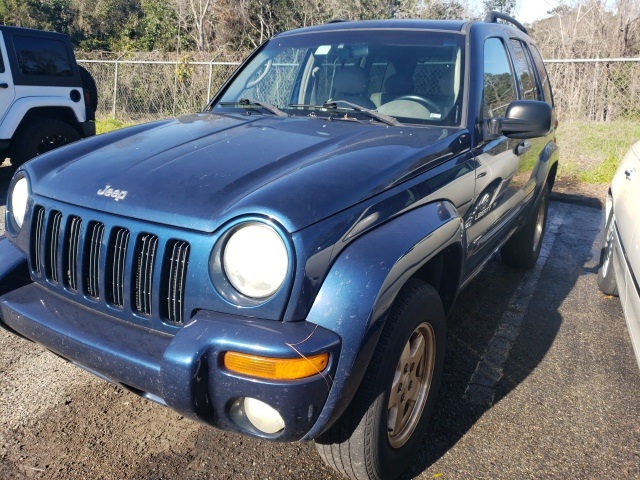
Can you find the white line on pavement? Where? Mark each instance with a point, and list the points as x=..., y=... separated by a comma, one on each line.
x=489, y=370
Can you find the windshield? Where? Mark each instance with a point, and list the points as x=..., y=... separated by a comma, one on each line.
x=409, y=75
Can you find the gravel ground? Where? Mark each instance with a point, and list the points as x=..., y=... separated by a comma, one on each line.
x=567, y=405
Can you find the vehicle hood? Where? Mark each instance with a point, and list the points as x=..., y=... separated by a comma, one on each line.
x=199, y=171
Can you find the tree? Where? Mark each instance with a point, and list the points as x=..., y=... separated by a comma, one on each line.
x=14, y=12
x=154, y=28
x=504, y=6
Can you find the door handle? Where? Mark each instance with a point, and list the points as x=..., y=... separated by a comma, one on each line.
x=4, y=85
x=523, y=147
x=630, y=173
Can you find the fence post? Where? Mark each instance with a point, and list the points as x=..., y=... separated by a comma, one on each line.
x=115, y=88
x=210, y=80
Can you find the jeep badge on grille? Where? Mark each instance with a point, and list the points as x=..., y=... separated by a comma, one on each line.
x=110, y=192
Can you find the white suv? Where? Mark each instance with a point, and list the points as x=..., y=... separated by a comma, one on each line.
x=46, y=99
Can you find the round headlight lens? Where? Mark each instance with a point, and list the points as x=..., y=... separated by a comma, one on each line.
x=19, y=198
x=255, y=260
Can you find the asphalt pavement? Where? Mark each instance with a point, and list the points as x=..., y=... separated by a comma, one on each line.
x=539, y=382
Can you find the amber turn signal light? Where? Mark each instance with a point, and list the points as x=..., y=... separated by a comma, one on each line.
x=275, y=368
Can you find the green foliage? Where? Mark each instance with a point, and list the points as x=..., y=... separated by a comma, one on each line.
x=13, y=12
x=591, y=151
x=109, y=124
x=184, y=69
x=182, y=25
x=155, y=27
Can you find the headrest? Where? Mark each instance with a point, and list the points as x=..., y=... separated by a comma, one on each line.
x=399, y=84
x=350, y=81
x=446, y=82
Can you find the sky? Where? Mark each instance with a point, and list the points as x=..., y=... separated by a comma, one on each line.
x=527, y=11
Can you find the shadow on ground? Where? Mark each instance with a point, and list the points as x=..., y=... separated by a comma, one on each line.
x=476, y=316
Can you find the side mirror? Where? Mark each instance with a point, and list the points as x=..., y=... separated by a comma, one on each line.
x=524, y=119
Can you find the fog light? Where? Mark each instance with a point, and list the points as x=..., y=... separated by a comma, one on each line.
x=262, y=416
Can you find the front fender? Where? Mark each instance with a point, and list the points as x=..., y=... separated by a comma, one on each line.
x=20, y=107
x=363, y=283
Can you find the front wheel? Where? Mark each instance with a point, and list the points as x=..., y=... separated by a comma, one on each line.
x=606, y=273
x=41, y=136
x=381, y=431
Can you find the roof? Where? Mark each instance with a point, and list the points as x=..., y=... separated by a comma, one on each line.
x=31, y=32
x=451, y=25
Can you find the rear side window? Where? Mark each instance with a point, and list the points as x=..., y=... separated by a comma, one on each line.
x=524, y=71
x=39, y=56
x=499, y=84
x=542, y=73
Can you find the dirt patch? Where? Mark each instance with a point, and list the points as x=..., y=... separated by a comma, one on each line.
x=573, y=191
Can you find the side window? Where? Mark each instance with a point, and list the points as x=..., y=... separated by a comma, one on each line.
x=524, y=71
x=499, y=84
x=1, y=63
x=42, y=56
x=544, y=77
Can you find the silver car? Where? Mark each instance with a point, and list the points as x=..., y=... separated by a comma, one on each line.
x=620, y=257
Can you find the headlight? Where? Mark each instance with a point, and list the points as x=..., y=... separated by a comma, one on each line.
x=255, y=260
x=18, y=197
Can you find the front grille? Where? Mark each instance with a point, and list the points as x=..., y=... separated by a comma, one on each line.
x=144, y=261
x=92, y=250
x=51, y=248
x=71, y=251
x=36, y=240
x=175, y=272
x=116, y=266
x=108, y=266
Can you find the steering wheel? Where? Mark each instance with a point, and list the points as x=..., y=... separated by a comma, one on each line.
x=432, y=107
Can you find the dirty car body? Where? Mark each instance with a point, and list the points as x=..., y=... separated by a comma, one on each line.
x=338, y=164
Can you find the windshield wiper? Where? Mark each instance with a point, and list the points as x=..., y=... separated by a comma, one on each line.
x=381, y=117
x=250, y=102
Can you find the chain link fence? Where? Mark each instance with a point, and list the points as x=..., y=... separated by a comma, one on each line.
x=596, y=89
x=140, y=90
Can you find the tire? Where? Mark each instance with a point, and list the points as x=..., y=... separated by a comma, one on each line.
x=606, y=273
x=41, y=136
x=361, y=444
x=523, y=248
x=90, y=89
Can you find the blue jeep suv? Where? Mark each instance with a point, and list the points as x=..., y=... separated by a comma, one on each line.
x=282, y=264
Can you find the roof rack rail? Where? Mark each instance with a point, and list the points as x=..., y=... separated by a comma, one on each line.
x=493, y=17
x=338, y=20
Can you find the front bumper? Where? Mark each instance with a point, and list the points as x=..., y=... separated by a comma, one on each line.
x=183, y=371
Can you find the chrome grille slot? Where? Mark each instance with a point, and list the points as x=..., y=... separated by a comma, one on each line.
x=117, y=254
x=71, y=252
x=175, y=271
x=51, y=248
x=92, y=250
x=36, y=239
x=146, y=249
